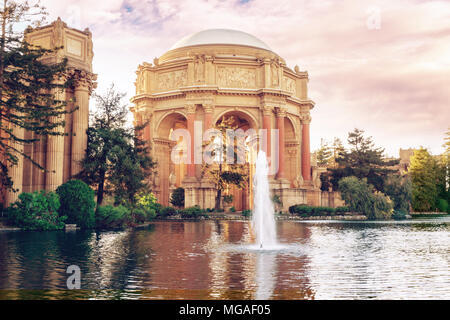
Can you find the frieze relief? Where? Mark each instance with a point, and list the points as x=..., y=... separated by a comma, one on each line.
x=172, y=80
x=236, y=77
x=290, y=85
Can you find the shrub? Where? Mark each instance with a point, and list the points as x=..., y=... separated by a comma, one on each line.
x=442, y=205
x=36, y=211
x=146, y=207
x=342, y=209
x=232, y=209
x=77, y=203
x=108, y=217
x=209, y=209
x=192, y=212
x=177, y=198
x=167, y=212
x=246, y=213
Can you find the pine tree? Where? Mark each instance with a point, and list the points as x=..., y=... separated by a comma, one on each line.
x=28, y=88
x=324, y=154
x=363, y=160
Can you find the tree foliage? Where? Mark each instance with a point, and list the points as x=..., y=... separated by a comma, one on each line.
x=177, y=198
x=29, y=89
x=362, y=197
x=77, y=203
x=116, y=160
x=36, y=211
x=222, y=172
x=363, y=160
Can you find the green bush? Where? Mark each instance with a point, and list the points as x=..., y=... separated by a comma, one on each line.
x=209, y=209
x=77, y=203
x=146, y=207
x=177, y=198
x=232, y=209
x=192, y=212
x=301, y=208
x=228, y=198
x=443, y=206
x=342, y=209
x=246, y=213
x=167, y=212
x=110, y=217
x=36, y=211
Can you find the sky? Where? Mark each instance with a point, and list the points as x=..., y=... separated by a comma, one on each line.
x=381, y=66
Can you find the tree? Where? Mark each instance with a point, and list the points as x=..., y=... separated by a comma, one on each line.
x=424, y=180
x=362, y=197
x=117, y=160
x=177, y=198
x=363, y=160
x=399, y=189
x=220, y=172
x=324, y=154
x=29, y=89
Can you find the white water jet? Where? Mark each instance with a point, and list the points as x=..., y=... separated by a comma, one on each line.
x=263, y=220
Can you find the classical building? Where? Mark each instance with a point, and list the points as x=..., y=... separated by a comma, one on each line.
x=216, y=73
x=59, y=155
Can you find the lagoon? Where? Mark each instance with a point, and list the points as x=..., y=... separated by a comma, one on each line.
x=215, y=260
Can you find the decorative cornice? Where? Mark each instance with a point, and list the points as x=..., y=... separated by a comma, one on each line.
x=190, y=108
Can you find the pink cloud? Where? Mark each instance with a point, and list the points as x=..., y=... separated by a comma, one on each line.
x=391, y=81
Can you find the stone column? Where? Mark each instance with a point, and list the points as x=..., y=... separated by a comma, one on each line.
x=55, y=150
x=190, y=110
x=16, y=171
x=208, y=108
x=147, y=118
x=82, y=91
x=281, y=114
x=267, y=111
x=306, y=154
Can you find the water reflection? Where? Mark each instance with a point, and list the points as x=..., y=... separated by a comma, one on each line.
x=215, y=260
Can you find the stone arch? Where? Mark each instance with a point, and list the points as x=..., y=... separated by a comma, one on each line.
x=254, y=123
x=164, y=124
x=242, y=198
x=169, y=173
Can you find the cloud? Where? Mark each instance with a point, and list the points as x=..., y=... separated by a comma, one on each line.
x=391, y=81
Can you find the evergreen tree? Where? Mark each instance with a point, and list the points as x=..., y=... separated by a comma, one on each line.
x=29, y=98
x=116, y=160
x=363, y=160
x=324, y=154
x=424, y=180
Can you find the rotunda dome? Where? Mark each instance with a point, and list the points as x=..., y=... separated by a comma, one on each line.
x=221, y=36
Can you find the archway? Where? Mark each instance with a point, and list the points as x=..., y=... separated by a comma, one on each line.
x=242, y=198
x=169, y=174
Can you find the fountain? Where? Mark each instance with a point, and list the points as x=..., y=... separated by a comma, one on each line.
x=263, y=220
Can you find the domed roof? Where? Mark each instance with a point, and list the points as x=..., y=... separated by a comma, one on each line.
x=221, y=36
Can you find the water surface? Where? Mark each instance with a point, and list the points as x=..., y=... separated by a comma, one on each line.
x=216, y=260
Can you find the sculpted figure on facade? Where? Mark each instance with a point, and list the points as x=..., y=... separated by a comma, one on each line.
x=236, y=77
x=172, y=80
x=289, y=85
x=199, y=68
x=274, y=74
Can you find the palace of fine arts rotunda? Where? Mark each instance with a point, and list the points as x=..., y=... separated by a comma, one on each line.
x=221, y=73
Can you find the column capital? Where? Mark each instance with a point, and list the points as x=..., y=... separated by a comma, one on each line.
x=305, y=118
x=190, y=108
x=281, y=112
x=266, y=110
x=83, y=79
